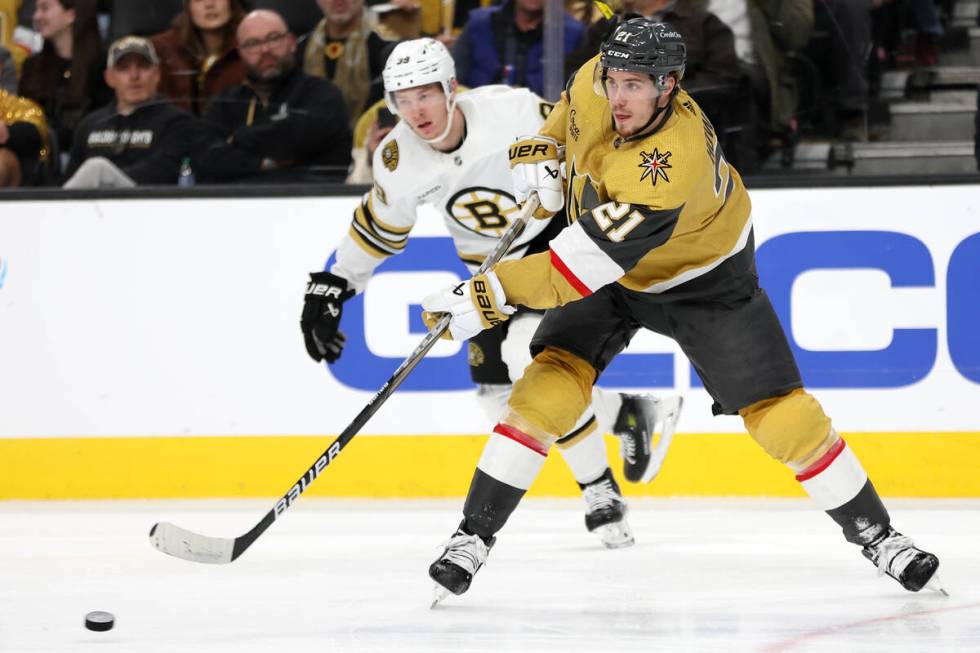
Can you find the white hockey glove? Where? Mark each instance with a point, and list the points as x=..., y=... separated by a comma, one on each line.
x=535, y=168
x=474, y=305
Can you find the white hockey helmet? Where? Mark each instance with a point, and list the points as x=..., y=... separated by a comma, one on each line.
x=416, y=63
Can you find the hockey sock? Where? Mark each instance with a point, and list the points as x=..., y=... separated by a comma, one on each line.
x=510, y=462
x=839, y=485
x=584, y=451
x=606, y=407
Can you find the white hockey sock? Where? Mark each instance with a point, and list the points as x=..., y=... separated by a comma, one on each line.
x=492, y=398
x=605, y=405
x=512, y=457
x=586, y=457
x=835, y=478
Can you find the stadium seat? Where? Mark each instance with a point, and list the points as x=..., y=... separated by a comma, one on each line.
x=301, y=15
x=142, y=17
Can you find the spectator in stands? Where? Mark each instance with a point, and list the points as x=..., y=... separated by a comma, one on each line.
x=976, y=129
x=346, y=49
x=198, y=54
x=138, y=138
x=8, y=71
x=8, y=23
x=283, y=124
x=23, y=140
x=779, y=28
x=929, y=30
x=848, y=24
x=67, y=77
x=504, y=44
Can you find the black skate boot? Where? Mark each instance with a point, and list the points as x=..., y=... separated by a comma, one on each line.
x=606, y=511
x=636, y=426
x=896, y=555
x=461, y=558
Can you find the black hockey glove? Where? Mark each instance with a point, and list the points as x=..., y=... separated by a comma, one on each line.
x=325, y=297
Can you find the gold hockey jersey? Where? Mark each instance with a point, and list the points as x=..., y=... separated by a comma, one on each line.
x=653, y=211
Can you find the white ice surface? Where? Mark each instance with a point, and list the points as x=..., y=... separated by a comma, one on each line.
x=731, y=575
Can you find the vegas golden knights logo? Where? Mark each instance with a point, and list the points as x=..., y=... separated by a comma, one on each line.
x=389, y=155
x=486, y=211
x=582, y=194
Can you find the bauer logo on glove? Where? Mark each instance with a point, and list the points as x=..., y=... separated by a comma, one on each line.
x=320, y=322
x=535, y=166
x=474, y=306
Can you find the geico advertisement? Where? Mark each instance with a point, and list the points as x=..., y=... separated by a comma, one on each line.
x=182, y=317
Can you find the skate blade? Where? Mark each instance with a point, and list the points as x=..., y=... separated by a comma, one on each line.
x=670, y=412
x=615, y=536
x=936, y=585
x=438, y=594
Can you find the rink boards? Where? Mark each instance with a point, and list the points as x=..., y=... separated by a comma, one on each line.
x=152, y=349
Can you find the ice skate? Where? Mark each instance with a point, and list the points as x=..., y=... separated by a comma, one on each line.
x=636, y=426
x=606, y=512
x=896, y=555
x=462, y=557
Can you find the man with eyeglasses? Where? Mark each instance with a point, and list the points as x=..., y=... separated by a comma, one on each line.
x=281, y=124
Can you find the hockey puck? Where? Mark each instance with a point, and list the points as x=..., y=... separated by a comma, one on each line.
x=99, y=621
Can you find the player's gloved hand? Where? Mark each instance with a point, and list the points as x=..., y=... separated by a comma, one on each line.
x=325, y=297
x=475, y=305
x=535, y=168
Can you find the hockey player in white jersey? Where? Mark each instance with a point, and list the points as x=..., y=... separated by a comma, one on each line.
x=450, y=151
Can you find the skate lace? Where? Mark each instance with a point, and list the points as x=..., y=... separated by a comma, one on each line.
x=894, y=554
x=628, y=448
x=468, y=552
x=600, y=495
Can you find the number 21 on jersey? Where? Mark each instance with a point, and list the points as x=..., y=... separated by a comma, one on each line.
x=616, y=220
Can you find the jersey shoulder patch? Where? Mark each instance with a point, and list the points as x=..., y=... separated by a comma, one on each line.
x=389, y=155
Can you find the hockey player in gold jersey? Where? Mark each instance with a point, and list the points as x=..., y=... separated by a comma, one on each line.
x=663, y=240
x=448, y=152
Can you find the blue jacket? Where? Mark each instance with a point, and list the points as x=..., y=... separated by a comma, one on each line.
x=490, y=50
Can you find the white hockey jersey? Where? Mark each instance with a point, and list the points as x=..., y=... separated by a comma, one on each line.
x=470, y=187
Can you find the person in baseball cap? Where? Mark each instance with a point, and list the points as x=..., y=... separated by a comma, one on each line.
x=132, y=45
x=138, y=138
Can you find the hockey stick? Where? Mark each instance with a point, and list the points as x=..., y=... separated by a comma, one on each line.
x=182, y=543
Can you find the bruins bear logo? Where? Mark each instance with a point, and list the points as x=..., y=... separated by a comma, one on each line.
x=486, y=211
x=389, y=155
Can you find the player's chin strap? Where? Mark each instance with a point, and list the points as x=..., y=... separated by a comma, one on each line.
x=451, y=107
x=661, y=86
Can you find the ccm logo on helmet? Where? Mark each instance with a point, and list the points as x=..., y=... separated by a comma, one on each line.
x=618, y=53
x=519, y=152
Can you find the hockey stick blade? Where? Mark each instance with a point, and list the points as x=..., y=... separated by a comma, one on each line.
x=182, y=543
x=187, y=545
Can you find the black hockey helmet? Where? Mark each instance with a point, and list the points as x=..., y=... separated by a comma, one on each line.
x=642, y=45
